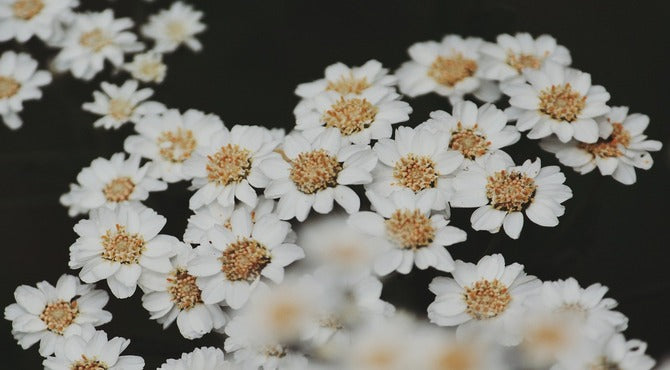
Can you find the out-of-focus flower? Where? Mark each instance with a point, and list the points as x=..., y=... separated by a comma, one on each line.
x=203, y=358
x=23, y=19
x=173, y=27
x=608, y=353
x=19, y=81
x=147, y=67
x=121, y=104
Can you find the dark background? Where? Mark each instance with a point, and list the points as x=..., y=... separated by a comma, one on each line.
x=255, y=53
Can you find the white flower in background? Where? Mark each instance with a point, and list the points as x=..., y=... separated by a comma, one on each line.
x=110, y=182
x=608, y=353
x=19, y=81
x=175, y=296
x=503, y=192
x=169, y=139
x=173, y=27
x=231, y=265
x=484, y=298
x=315, y=174
x=49, y=314
x=359, y=118
x=510, y=55
x=147, y=67
x=92, y=350
x=621, y=147
x=203, y=358
x=228, y=166
x=121, y=104
x=557, y=100
x=92, y=39
x=411, y=235
x=23, y=19
x=118, y=245
x=418, y=160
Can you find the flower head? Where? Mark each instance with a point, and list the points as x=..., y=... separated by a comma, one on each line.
x=19, y=81
x=173, y=27
x=121, y=104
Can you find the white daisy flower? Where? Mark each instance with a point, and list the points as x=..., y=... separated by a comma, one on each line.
x=173, y=27
x=121, y=104
x=231, y=265
x=175, y=296
x=228, y=166
x=110, y=182
x=147, y=67
x=488, y=297
x=92, y=350
x=621, y=147
x=502, y=192
x=557, y=100
x=410, y=234
x=418, y=160
x=203, y=358
x=23, y=19
x=612, y=353
x=510, y=55
x=92, y=39
x=49, y=314
x=169, y=139
x=359, y=118
x=19, y=81
x=314, y=174
x=118, y=245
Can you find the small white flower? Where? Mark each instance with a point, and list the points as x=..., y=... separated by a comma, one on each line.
x=50, y=314
x=19, y=81
x=203, y=358
x=621, y=147
x=410, y=234
x=175, y=296
x=117, y=245
x=172, y=27
x=608, y=353
x=147, y=67
x=557, y=100
x=92, y=39
x=484, y=298
x=502, y=192
x=22, y=19
x=169, y=139
x=314, y=174
x=110, y=182
x=92, y=350
x=231, y=265
x=121, y=104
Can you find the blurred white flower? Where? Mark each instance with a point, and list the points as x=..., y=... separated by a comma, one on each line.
x=23, y=19
x=608, y=353
x=19, y=81
x=121, y=104
x=147, y=67
x=203, y=358
x=173, y=27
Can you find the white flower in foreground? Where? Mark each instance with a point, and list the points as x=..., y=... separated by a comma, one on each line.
x=169, y=139
x=147, y=67
x=49, y=314
x=484, y=298
x=621, y=148
x=92, y=39
x=510, y=55
x=19, y=81
x=503, y=192
x=231, y=265
x=410, y=234
x=203, y=358
x=175, y=296
x=110, y=182
x=172, y=27
x=418, y=160
x=121, y=104
x=314, y=174
x=22, y=19
x=557, y=100
x=228, y=166
x=612, y=353
x=118, y=245
x=92, y=350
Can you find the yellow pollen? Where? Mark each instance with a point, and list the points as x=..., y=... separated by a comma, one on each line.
x=331, y=322
x=119, y=189
x=183, y=289
x=231, y=164
x=415, y=172
x=95, y=40
x=244, y=260
x=120, y=109
x=121, y=246
x=510, y=191
x=176, y=146
x=456, y=358
x=59, y=315
x=275, y=351
x=89, y=364
x=410, y=229
x=486, y=299
x=549, y=336
x=8, y=87
x=603, y=363
x=450, y=71
x=470, y=143
x=151, y=69
x=521, y=61
x=27, y=9
x=314, y=171
x=350, y=115
x=348, y=85
x=561, y=102
x=608, y=148
x=380, y=358
x=176, y=31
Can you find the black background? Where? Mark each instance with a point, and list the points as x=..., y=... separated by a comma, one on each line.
x=255, y=53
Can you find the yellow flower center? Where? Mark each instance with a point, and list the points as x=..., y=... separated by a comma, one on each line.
x=121, y=246
x=183, y=289
x=119, y=189
x=456, y=357
x=244, y=260
x=486, y=299
x=608, y=148
x=348, y=85
x=176, y=146
x=314, y=171
x=89, y=364
x=470, y=143
x=450, y=71
x=521, y=61
x=350, y=115
x=59, y=315
x=95, y=40
x=415, y=172
x=8, y=87
x=176, y=31
x=603, y=363
x=410, y=229
x=120, y=109
x=510, y=191
x=231, y=164
x=561, y=102
x=27, y=9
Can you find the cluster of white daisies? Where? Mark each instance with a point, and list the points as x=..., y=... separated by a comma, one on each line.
x=229, y=272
